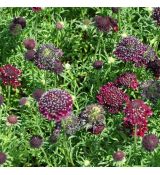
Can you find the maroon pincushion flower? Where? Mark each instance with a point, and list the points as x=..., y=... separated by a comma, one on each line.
x=30, y=55
x=23, y=101
x=59, y=25
x=1, y=100
x=136, y=114
x=36, y=141
x=105, y=24
x=21, y=21
x=112, y=97
x=98, y=64
x=29, y=44
x=46, y=57
x=154, y=66
x=128, y=80
x=97, y=129
x=36, y=9
x=156, y=15
x=56, y=104
x=3, y=158
x=118, y=156
x=12, y=119
x=150, y=142
x=130, y=49
x=9, y=75
x=37, y=94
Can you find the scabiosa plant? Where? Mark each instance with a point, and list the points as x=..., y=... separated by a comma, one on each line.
x=30, y=55
x=10, y=75
x=150, y=142
x=1, y=99
x=21, y=21
x=112, y=97
x=46, y=56
x=29, y=43
x=118, y=156
x=136, y=115
x=56, y=104
x=37, y=94
x=151, y=90
x=15, y=29
x=156, y=15
x=3, y=158
x=128, y=80
x=130, y=49
x=23, y=101
x=98, y=64
x=36, y=141
x=154, y=66
x=59, y=25
x=12, y=119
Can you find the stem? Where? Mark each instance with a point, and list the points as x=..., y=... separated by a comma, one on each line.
x=135, y=137
x=9, y=94
x=119, y=20
x=45, y=77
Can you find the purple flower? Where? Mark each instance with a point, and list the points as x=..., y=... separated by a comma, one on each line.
x=30, y=55
x=118, y=156
x=23, y=101
x=36, y=141
x=37, y=94
x=21, y=21
x=59, y=25
x=56, y=104
x=156, y=15
x=98, y=64
x=154, y=66
x=29, y=44
x=3, y=158
x=112, y=97
x=12, y=119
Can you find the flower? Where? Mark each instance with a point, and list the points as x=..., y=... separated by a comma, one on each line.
x=37, y=9
x=156, y=15
x=136, y=114
x=151, y=90
x=112, y=97
x=105, y=24
x=98, y=64
x=71, y=124
x=97, y=129
x=128, y=80
x=130, y=49
x=58, y=67
x=56, y=104
x=1, y=99
x=21, y=21
x=9, y=75
x=115, y=9
x=30, y=55
x=118, y=156
x=36, y=141
x=37, y=94
x=59, y=25
x=46, y=56
x=150, y=142
x=12, y=119
x=15, y=29
x=3, y=158
x=23, y=101
x=154, y=66
x=29, y=44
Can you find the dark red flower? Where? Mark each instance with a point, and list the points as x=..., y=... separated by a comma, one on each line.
x=23, y=101
x=21, y=21
x=112, y=97
x=97, y=129
x=59, y=25
x=58, y=67
x=128, y=80
x=12, y=119
x=37, y=94
x=36, y=141
x=98, y=64
x=30, y=55
x=3, y=158
x=29, y=44
x=118, y=156
x=56, y=104
x=10, y=75
x=150, y=142
x=36, y=9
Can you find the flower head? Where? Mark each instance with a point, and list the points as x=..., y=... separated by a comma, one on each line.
x=128, y=80
x=37, y=94
x=98, y=64
x=10, y=75
x=3, y=158
x=156, y=15
x=130, y=49
x=30, y=55
x=97, y=129
x=136, y=114
x=59, y=25
x=36, y=141
x=23, y=101
x=118, y=156
x=1, y=99
x=12, y=119
x=56, y=104
x=29, y=44
x=21, y=21
x=151, y=90
x=46, y=56
x=36, y=9
x=150, y=142
x=112, y=97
